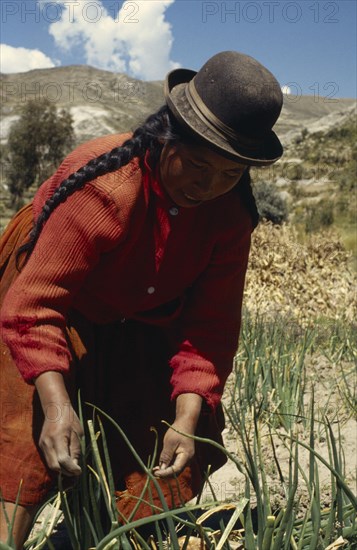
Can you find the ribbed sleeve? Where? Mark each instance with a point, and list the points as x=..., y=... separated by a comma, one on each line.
x=123, y=229
x=211, y=321
x=35, y=307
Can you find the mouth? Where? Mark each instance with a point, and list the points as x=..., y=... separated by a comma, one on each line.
x=191, y=198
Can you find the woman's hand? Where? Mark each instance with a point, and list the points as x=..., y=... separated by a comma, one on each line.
x=62, y=430
x=60, y=438
x=179, y=449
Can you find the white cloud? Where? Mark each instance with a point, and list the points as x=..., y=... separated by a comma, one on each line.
x=136, y=40
x=286, y=90
x=17, y=60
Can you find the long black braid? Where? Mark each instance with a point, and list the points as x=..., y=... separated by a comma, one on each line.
x=158, y=128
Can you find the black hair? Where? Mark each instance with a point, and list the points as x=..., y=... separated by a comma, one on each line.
x=159, y=128
x=244, y=188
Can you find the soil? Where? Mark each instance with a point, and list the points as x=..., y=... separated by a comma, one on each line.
x=229, y=483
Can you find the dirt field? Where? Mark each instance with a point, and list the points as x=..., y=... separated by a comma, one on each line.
x=228, y=482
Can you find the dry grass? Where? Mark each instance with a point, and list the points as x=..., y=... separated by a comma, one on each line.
x=304, y=281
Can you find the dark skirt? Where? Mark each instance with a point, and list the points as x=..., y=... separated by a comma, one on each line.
x=120, y=367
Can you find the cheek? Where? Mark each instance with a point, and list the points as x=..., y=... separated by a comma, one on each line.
x=172, y=174
x=175, y=168
x=232, y=182
x=176, y=174
x=227, y=185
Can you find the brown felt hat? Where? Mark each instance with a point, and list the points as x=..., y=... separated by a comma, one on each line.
x=231, y=103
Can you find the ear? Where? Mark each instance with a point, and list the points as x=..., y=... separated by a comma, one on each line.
x=168, y=148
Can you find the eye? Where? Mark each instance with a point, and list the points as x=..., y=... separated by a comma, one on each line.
x=196, y=165
x=234, y=173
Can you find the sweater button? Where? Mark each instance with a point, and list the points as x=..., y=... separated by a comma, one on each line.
x=174, y=211
x=151, y=290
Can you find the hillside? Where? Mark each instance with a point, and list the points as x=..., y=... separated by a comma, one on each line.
x=102, y=101
x=317, y=134
x=313, y=112
x=317, y=176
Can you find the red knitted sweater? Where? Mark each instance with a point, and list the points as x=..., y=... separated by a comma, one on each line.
x=120, y=248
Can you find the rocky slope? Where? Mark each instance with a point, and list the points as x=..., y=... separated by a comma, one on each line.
x=102, y=101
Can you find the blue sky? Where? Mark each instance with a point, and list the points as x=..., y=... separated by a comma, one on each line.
x=310, y=45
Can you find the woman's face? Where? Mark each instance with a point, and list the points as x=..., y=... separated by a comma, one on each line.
x=193, y=174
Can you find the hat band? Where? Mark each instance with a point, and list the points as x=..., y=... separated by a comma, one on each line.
x=210, y=119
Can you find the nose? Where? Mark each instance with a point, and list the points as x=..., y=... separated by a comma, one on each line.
x=207, y=183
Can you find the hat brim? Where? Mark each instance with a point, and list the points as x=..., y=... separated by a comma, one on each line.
x=266, y=152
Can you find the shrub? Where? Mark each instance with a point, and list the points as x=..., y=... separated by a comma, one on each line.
x=320, y=215
x=271, y=206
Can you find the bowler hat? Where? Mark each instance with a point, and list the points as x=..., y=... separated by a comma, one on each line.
x=231, y=104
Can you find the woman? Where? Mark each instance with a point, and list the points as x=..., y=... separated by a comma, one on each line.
x=133, y=257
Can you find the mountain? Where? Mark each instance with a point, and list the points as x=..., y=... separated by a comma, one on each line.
x=313, y=113
x=316, y=175
x=103, y=102
x=100, y=102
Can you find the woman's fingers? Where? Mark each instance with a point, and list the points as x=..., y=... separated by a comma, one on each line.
x=58, y=457
x=68, y=466
x=68, y=456
x=176, y=453
x=50, y=457
x=60, y=443
x=75, y=447
x=167, y=455
x=177, y=466
x=170, y=470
